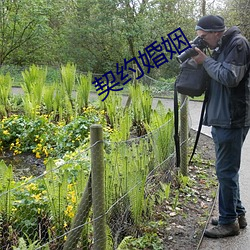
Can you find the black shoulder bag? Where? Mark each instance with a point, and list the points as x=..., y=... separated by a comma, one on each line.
x=192, y=80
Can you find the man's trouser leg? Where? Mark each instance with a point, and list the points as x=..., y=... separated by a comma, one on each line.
x=228, y=145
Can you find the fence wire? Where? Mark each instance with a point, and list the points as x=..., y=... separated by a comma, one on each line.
x=44, y=210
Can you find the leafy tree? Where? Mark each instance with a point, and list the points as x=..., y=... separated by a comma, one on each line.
x=95, y=34
x=237, y=13
x=104, y=32
x=20, y=22
x=31, y=31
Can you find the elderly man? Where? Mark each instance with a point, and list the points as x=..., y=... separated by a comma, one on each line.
x=228, y=112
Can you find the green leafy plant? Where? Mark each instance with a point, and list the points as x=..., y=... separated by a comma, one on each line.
x=147, y=241
x=5, y=90
x=43, y=137
x=164, y=191
x=161, y=126
x=114, y=110
x=6, y=184
x=184, y=181
x=176, y=199
x=68, y=74
x=83, y=91
x=22, y=245
x=33, y=85
x=48, y=98
x=141, y=104
x=30, y=208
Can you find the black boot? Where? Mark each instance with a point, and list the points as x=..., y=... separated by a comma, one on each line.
x=221, y=231
x=241, y=219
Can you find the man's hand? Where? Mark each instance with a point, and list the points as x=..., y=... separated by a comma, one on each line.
x=200, y=58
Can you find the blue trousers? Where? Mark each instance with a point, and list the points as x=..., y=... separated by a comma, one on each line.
x=228, y=145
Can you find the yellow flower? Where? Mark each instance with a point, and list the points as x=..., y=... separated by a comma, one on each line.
x=73, y=199
x=14, y=209
x=69, y=211
x=31, y=187
x=38, y=155
x=37, y=196
x=6, y=132
x=45, y=151
x=16, y=152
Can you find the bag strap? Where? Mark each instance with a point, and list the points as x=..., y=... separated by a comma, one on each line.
x=199, y=127
x=176, y=126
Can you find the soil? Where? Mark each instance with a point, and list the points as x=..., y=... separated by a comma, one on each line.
x=25, y=164
x=188, y=221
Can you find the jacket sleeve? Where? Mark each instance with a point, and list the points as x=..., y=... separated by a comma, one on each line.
x=234, y=66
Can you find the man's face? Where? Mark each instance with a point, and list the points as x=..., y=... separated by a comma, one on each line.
x=211, y=38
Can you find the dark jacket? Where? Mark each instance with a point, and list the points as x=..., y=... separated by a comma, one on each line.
x=228, y=103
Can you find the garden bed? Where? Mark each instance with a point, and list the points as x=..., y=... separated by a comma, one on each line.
x=178, y=222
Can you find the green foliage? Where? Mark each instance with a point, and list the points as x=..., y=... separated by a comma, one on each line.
x=43, y=137
x=96, y=34
x=51, y=199
x=114, y=110
x=57, y=188
x=184, y=181
x=6, y=184
x=48, y=98
x=147, y=241
x=29, y=245
x=33, y=85
x=5, y=90
x=68, y=74
x=30, y=206
x=127, y=160
x=164, y=191
x=24, y=30
x=83, y=91
x=141, y=104
x=162, y=140
x=121, y=29
x=126, y=172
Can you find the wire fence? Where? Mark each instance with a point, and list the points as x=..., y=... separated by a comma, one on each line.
x=94, y=200
x=55, y=209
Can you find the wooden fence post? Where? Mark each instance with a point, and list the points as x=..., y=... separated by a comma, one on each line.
x=80, y=218
x=98, y=195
